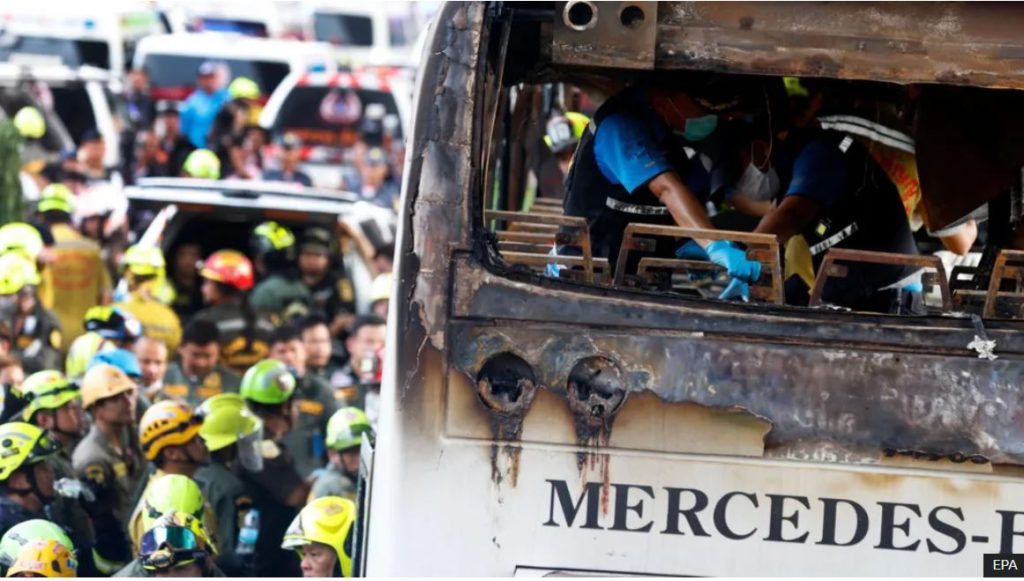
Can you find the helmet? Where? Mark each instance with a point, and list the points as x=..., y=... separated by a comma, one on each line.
x=202, y=163
x=268, y=382
x=166, y=423
x=380, y=289
x=30, y=123
x=229, y=267
x=27, y=531
x=564, y=132
x=172, y=493
x=122, y=359
x=47, y=390
x=45, y=558
x=174, y=539
x=346, y=427
x=227, y=421
x=143, y=261
x=16, y=272
x=103, y=381
x=113, y=323
x=21, y=444
x=22, y=237
x=271, y=236
x=244, y=88
x=56, y=197
x=327, y=520
x=82, y=351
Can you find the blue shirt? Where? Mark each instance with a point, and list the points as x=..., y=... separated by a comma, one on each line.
x=626, y=147
x=819, y=173
x=198, y=112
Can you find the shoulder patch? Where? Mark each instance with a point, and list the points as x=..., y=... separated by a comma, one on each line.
x=345, y=290
x=310, y=407
x=175, y=391
x=120, y=469
x=347, y=393
x=56, y=339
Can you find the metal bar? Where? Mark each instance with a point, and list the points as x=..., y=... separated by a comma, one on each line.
x=828, y=269
x=1000, y=271
x=573, y=221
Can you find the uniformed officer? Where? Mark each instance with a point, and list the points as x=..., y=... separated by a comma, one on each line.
x=267, y=389
x=322, y=272
x=274, y=248
x=634, y=164
x=26, y=479
x=177, y=545
x=345, y=431
x=35, y=332
x=106, y=461
x=322, y=358
x=54, y=404
x=227, y=276
x=233, y=435
x=107, y=328
x=365, y=340
x=197, y=374
x=312, y=404
x=145, y=271
x=320, y=536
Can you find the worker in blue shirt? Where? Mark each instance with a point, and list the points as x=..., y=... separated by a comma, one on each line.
x=201, y=107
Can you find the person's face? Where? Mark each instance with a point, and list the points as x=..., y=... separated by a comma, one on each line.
x=380, y=308
x=44, y=479
x=384, y=264
x=172, y=124
x=92, y=227
x=190, y=570
x=26, y=298
x=350, y=461
x=152, y=356
x=185, y=259
x=291, y=156
x=198, y=360
x=139, y=80
x=93, y=151
x=317, y=341
x=318, y=560
x=116, y=410
x=12, y=375
x=367, y=341
x=313, y=263
x=211, y=292
x=70, y=418
x=193, y=452
x=291, y=353
x=374, y=174
x=207, y=83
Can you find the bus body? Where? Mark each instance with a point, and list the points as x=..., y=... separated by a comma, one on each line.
x=532, y=425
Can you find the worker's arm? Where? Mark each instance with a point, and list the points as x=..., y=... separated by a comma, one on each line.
x=790, y=217
x=684, y=207
x=961, y=241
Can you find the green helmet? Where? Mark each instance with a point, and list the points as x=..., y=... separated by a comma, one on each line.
x=226, y=420
x=47, y=390
x=268, y=382
x=172, y=493
x=30, y=123
x=21, y=237
x=346, y=427
x=22, y=444
x=272, y=236
x=244, y=88
x=27, y=531
x=16, y=272
x=56, y=197
x=202, y=163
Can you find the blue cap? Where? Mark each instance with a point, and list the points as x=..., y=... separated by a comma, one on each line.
x=122, y=359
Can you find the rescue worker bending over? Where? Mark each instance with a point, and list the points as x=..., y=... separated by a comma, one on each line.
x=321, y=535
x=26, y=479
x=44, y=558
x=177, y=545
x=26, y=532
x=107, y=328
x=106, y=460
x=233, y=435
x=145, y=271
x=227, y=276
x=35, y=332
x=274, y=248
x=632, y=165
x=345, y=432
x=197, y=375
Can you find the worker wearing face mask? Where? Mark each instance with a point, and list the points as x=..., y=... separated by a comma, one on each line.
x=654, y=155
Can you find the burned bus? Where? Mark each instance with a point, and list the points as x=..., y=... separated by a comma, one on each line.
x=616, y=415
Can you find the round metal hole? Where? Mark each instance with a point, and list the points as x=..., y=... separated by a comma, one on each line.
x=596, y=389
x=580, y=16
x=506, y=383
x=632, y=16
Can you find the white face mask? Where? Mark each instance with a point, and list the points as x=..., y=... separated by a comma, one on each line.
x=758, y=185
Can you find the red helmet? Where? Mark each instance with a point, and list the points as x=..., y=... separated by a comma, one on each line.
x=229, y=267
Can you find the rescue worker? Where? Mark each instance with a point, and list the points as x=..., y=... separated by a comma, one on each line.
x=321, y=359
x=24, y=533
x=108, y=463
x=197, y=374
x=106, y=328
x=227, y=133
x=202, y=164
x=312, y=402
x=125, y=361
x=364, y=340
x=345, y=432
x=267, y=389
x=35, y=332
x=34, y=242
x=54, y=404
x=562, y=135
x=632, y=165
x=177, y=545
x=144, y=270
x=320, y=535
x=232, y=434
x=44, y=558
x=227, y=276
x=26, y=478
x=80, y=277
x=169, y=435
x=170, y=493
x=330, y=290
x=274, y=248
x=152, y=357
x=185, y=281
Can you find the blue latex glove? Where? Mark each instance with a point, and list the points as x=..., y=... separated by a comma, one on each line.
x=691, y=251
x=736, y=289
x=734, y=260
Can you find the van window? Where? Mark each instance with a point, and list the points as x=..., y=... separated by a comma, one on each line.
x=73, y=106
x=398, y=31
x=330, y=117
x=343, y=29
x=180, y=71
x=73, y=53
x=246, y=27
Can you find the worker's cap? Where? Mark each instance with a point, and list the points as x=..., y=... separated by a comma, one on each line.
x=316, y=240
x=375, y=157
x=207, y=68
x=166, y=107
x=90, y=135
x=289, y=141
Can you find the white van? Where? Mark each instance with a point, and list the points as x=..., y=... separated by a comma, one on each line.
x=366, y=33
x=173, y=59
x=75, y=34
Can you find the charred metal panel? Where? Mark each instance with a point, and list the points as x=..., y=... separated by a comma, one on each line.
x=608, y=34
x=976, y=43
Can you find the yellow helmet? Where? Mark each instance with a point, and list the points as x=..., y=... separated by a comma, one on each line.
x=143, y=261
x=56, y=197
x=173, y=540
x=103, y=381
x=380, y=289
x=327, y=520
x=45, y=558
x=244, y=88
x=20, y=444
x=21, y=237
x=47, y=390
x=173, y=493
x=16, y=272
x=167, y=423
x=202, y=163
x=30, y=123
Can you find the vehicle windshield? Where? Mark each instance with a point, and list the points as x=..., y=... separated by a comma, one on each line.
x=246, y=27
x=72, y=104
x=333, y=117
x=52, y=50
x=343, y=29
x=166, y=71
